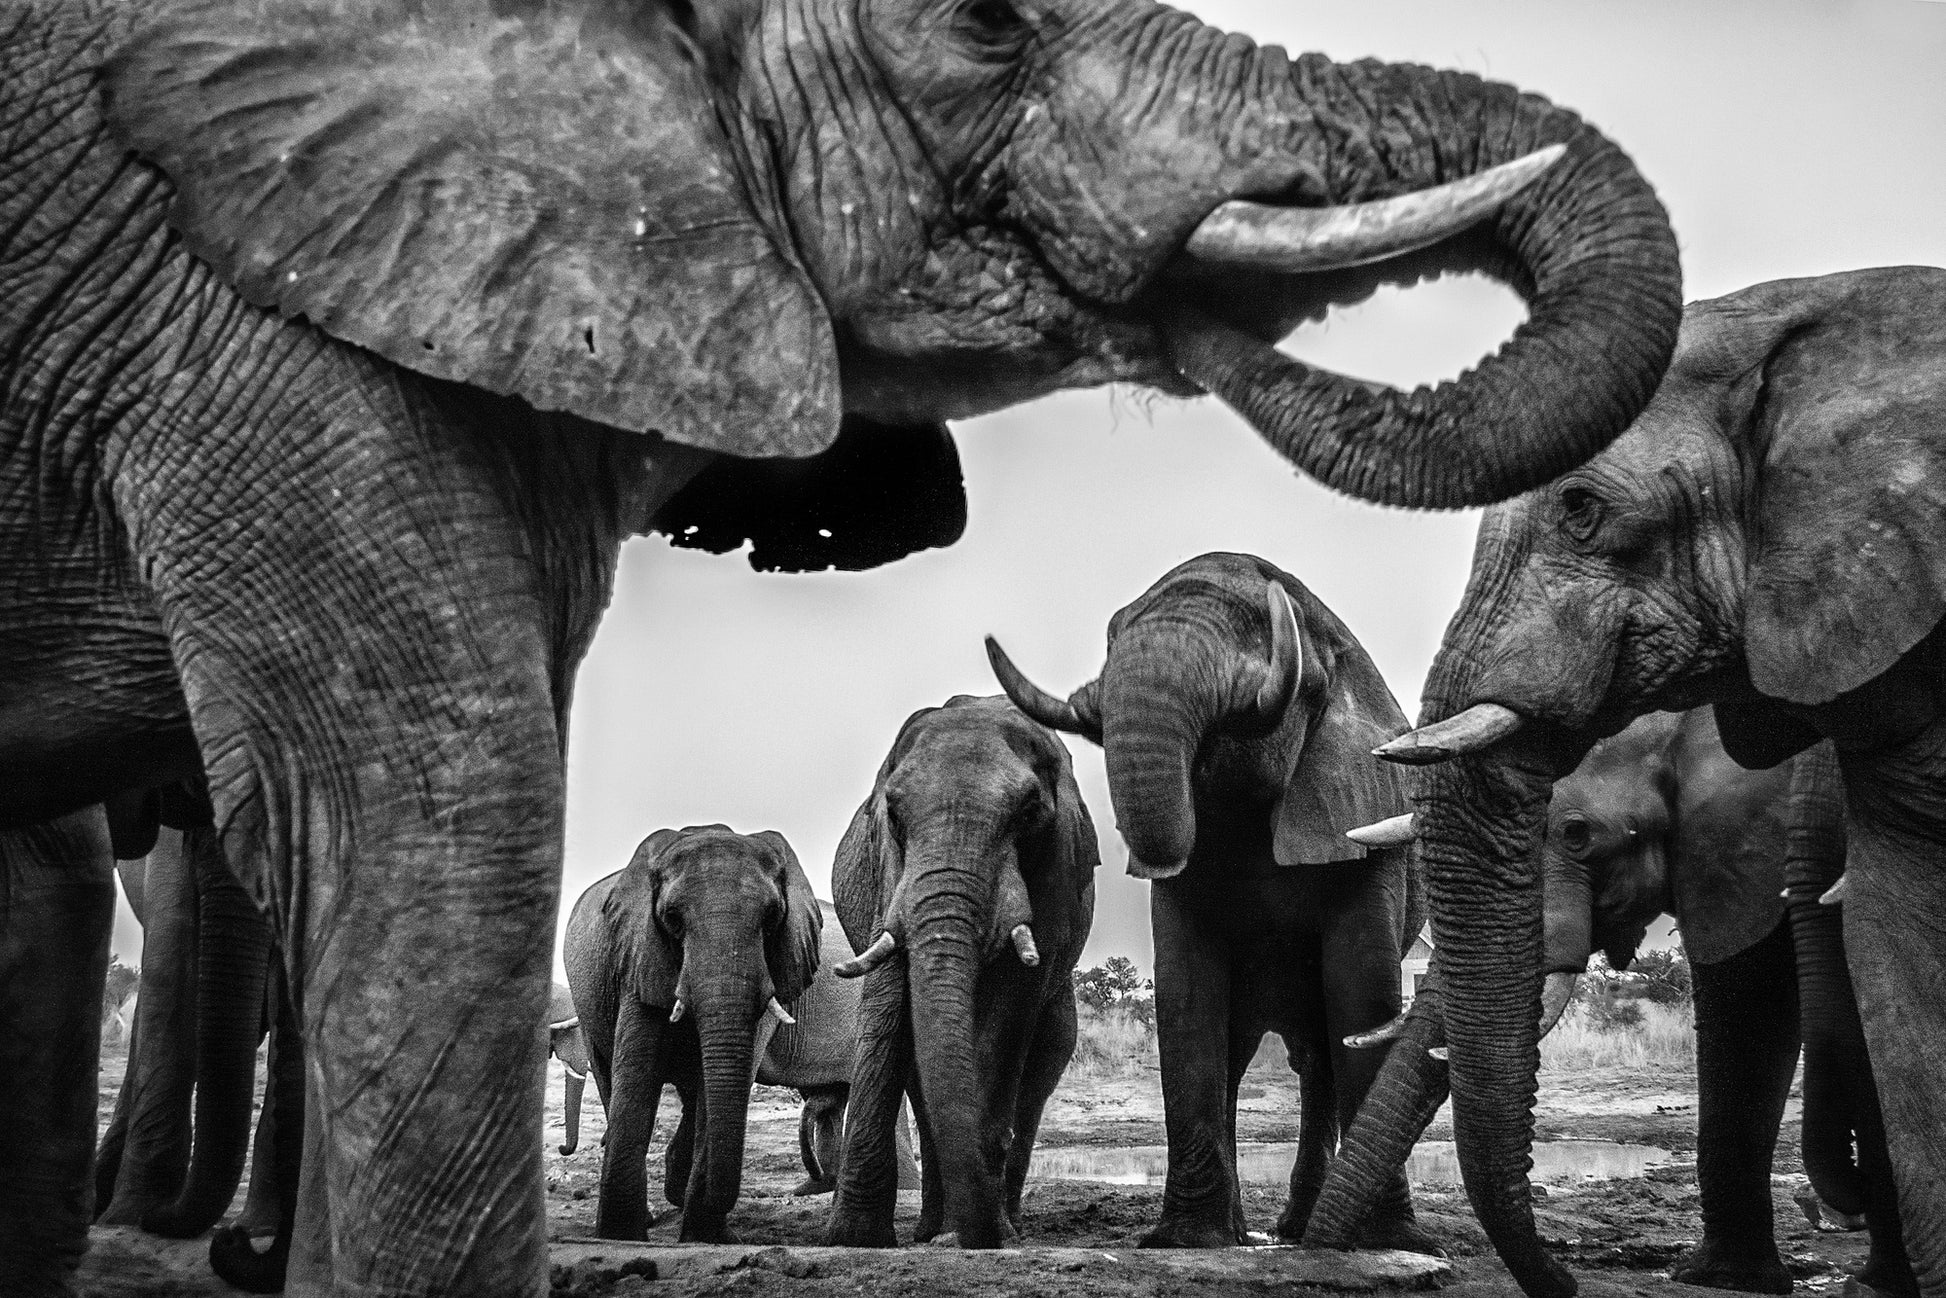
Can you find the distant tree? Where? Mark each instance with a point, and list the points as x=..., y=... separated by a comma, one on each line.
x=1114, y=983
x=1665, y=976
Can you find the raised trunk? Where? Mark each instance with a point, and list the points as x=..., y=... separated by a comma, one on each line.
x=1483, y=823
x=233, y=951
x=727, y=1030
x=947, y=950
x=1588, y=245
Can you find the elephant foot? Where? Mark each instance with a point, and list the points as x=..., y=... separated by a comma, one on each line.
x=1877, y=1280
x=932, y=1224
x=816, y=1185
x=237, y=1262
x=857, y=1230
x=1403, y=1233
x=1751, y=1269
x=1183, y=1232
x=700, y=1229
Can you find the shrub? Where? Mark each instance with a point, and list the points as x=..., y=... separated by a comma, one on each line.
x=1659, y=1036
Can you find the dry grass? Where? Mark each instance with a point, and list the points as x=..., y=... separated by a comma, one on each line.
x=1665, y=1038
x=1111, y=1044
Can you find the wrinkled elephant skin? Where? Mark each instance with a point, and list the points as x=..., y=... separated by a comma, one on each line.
x=345, y=344
x=1765, y=538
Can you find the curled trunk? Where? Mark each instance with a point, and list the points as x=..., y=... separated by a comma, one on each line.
x=1588, y=245
x=233, y=951
x=1155, y=726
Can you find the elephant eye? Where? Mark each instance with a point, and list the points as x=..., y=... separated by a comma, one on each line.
x=1574, y=834
x=993, y=23
x=1581, y=513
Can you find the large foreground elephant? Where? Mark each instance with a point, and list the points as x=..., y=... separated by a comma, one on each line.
x=965, y=882
x=1766, y=537
x=345, y=341
x=680, y=964
x=1237, y=715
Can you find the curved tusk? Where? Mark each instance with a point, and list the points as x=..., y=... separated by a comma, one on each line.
x=1442, y=1053
x=565, y=1024
x=1391, y=1030
x=1286, y=654
x=1555, y=997
x=1835, y=894
x=675, y=1012
x=1390, y=832
x=1023, y=939
x=1479, y=727
x=1304, y=239
x=869, y=959
x=779, y=1013
x=1056, y=714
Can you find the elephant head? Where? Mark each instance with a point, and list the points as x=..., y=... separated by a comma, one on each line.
x=1227, y=678
x=1658, y=820
x=733, y=223
x=706, y=936
x=975, y=856
x=1765, y=538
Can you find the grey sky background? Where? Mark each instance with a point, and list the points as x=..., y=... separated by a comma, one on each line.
x=1787, y=137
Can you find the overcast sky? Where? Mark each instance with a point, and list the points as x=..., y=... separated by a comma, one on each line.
x=1787, y=137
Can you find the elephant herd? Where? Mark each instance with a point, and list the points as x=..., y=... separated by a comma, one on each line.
x=343, y=343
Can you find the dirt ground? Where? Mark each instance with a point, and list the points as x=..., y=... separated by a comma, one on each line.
x=1618, y=1236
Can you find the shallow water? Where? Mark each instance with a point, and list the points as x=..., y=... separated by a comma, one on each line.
x=1433, y=1162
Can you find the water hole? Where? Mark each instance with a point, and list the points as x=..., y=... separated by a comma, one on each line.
x=1433, y=1162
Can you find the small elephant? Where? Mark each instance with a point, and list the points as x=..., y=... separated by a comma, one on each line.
x=966, y=883
x=681, y=964
x=565, y=1043
x=1660, y=820
x=1237, y=731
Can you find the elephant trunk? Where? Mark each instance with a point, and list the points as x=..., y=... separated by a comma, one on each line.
x=232, y=1255
x=1588, y=246
x=571, y=1117
x=1160, y=702
x=233, y=953
x=1483, y=821
x=948, y=947
x=726, y=1028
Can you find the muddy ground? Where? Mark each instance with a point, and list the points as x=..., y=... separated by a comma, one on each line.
x=1619, y=1236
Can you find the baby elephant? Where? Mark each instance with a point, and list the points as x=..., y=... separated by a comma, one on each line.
x=681, y=965
x=966, y=880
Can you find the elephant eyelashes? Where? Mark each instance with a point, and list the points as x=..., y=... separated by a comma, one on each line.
x=1581, y=513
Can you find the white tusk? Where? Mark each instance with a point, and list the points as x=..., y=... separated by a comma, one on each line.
x=675, y=1012
x=1835, y=894
x=1390, y=832
x=1555, y=997
x=781, y=1014
x=1441, y=1053
x=1299, y=239
x=1479, y=727
x=1023, y=938
x=1280, y=683
x=565, y=1024
x=869, y=959
x=1390, y=1030
x=1037, y=703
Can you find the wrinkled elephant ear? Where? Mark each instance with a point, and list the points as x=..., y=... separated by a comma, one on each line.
x=650, y=960
x=879, y=493
x=793, y=947
x=535, y=199
x=1849, y=563
x=868, y=862
x=1337, y=785
x=1078, y=854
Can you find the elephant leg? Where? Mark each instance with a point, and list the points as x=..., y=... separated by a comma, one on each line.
x=232, y=1253
x=1047, y=1058
x=161, y=1075
x=57, y=909
x=1746, y=1051
x=1245, y=1035
x=114, y=1141
x=639, y=1067
x=862, y=1207
x=820, y=1131
x=1895, y=945
x=1360, y=968
x=1317, y=1133
x=1192, y=1008
x=679, y=1159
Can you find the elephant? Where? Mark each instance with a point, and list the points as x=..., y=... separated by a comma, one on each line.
x=346, y=341
x=566, y=1043
x=206, y=954
x=681, y=963
x=965, y=883
x=1761, y=540
x=1236, y=714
